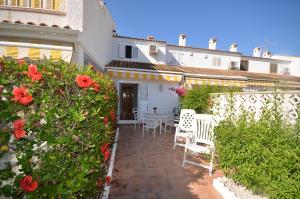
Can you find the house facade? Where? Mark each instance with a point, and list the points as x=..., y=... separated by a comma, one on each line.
x=145, y=70
x=79, y=31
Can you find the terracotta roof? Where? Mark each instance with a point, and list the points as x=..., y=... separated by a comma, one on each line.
x=136, y=38
x=197, y=48
x=30, y=23
x=201, y=71
x=249, y=75
x=142, y=65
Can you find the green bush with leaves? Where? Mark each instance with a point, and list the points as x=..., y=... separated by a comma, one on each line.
x=198, y=98
x=54, y=117
x=262, y=155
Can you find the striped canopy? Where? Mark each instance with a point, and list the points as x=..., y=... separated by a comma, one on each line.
x=19, y=50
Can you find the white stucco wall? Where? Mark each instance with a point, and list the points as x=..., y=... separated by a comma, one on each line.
x=293, y=66
x=199, y=58
x=259, y=66
x=143, y=50
x=96, y=36
x=162, y=99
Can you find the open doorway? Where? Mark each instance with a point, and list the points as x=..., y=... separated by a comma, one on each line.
x=128, y=100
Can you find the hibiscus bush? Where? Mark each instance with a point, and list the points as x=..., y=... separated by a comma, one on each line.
x=57, y=123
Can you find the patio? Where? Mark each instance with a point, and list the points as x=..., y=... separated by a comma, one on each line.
x=148, y=168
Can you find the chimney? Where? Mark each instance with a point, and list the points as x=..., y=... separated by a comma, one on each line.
x=182, y=40
x=212, y=44
x=256, y=52
x=267, y=54
x=233, y=47
x=150, y=38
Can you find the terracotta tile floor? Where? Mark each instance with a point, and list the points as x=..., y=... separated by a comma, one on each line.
x=151, y=169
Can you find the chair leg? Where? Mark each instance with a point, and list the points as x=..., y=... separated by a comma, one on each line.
x=135, y=125
x=174, y=142
x=154, y=130
x=184, y=157
x=143, y=131
x=211, y=163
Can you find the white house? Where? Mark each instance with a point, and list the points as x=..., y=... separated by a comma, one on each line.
x=145, y=70
x=74, y=30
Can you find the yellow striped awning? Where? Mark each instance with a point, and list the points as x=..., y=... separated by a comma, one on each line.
x=146, y=76
x=216, y=82
x=18, y=50
x=260, y=84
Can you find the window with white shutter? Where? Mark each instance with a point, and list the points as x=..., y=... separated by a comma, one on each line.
x=121, y=51
x=135, y=52
x=216, y=61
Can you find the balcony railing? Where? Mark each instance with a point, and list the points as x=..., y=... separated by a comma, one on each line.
x=55, y=5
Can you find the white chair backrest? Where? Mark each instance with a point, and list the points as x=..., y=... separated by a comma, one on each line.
x=204, y=128
x=186, y=121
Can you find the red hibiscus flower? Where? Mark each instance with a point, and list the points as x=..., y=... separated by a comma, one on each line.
x=22, y=96
x=104, y=147
x=83, y=81
x=107, y=180
x=112, y=115
x=96, y=87
x=21, y=61
x=106, y=155
x=33, y=73
x=105, y=120
x=28, y=185
x=19, y=133
x=19, y=124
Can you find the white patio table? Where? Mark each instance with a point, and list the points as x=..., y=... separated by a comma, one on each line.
x=163, y=119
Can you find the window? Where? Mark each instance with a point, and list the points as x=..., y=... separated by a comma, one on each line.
x=244, y=65
x=128, y=52
x=216, y=61
x=273, y=68
x=131, y=52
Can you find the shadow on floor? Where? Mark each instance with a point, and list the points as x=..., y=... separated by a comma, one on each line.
x=146, y=168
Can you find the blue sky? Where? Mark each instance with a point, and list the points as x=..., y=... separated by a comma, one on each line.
x=249, y=23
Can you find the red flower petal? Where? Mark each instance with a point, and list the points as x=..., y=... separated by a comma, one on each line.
x=106, y=155
x=104, y=147
x=105, y=120
x=19, y=133
x=18, y=124
x=26, y=100
x=33, y=73
x=27, y=185
x=19, y=92
x=83, y=81
x=107, y=180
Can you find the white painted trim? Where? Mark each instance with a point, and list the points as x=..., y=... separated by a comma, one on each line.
x=224, y=191
x=106, y=191
x=32, y=45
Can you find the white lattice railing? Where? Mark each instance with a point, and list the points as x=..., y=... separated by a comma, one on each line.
x=254, y=102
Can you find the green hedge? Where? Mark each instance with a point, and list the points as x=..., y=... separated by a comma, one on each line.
x=198, y=98
x=58, y=117
x=262, y=155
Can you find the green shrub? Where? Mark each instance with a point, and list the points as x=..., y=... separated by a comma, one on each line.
x=198, y=98
x=71, y=114
x=262, y=155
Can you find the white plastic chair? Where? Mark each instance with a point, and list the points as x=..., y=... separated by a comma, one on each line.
x=185, y=126
x=149, y=122
x=136, y=117
x=201, y=140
